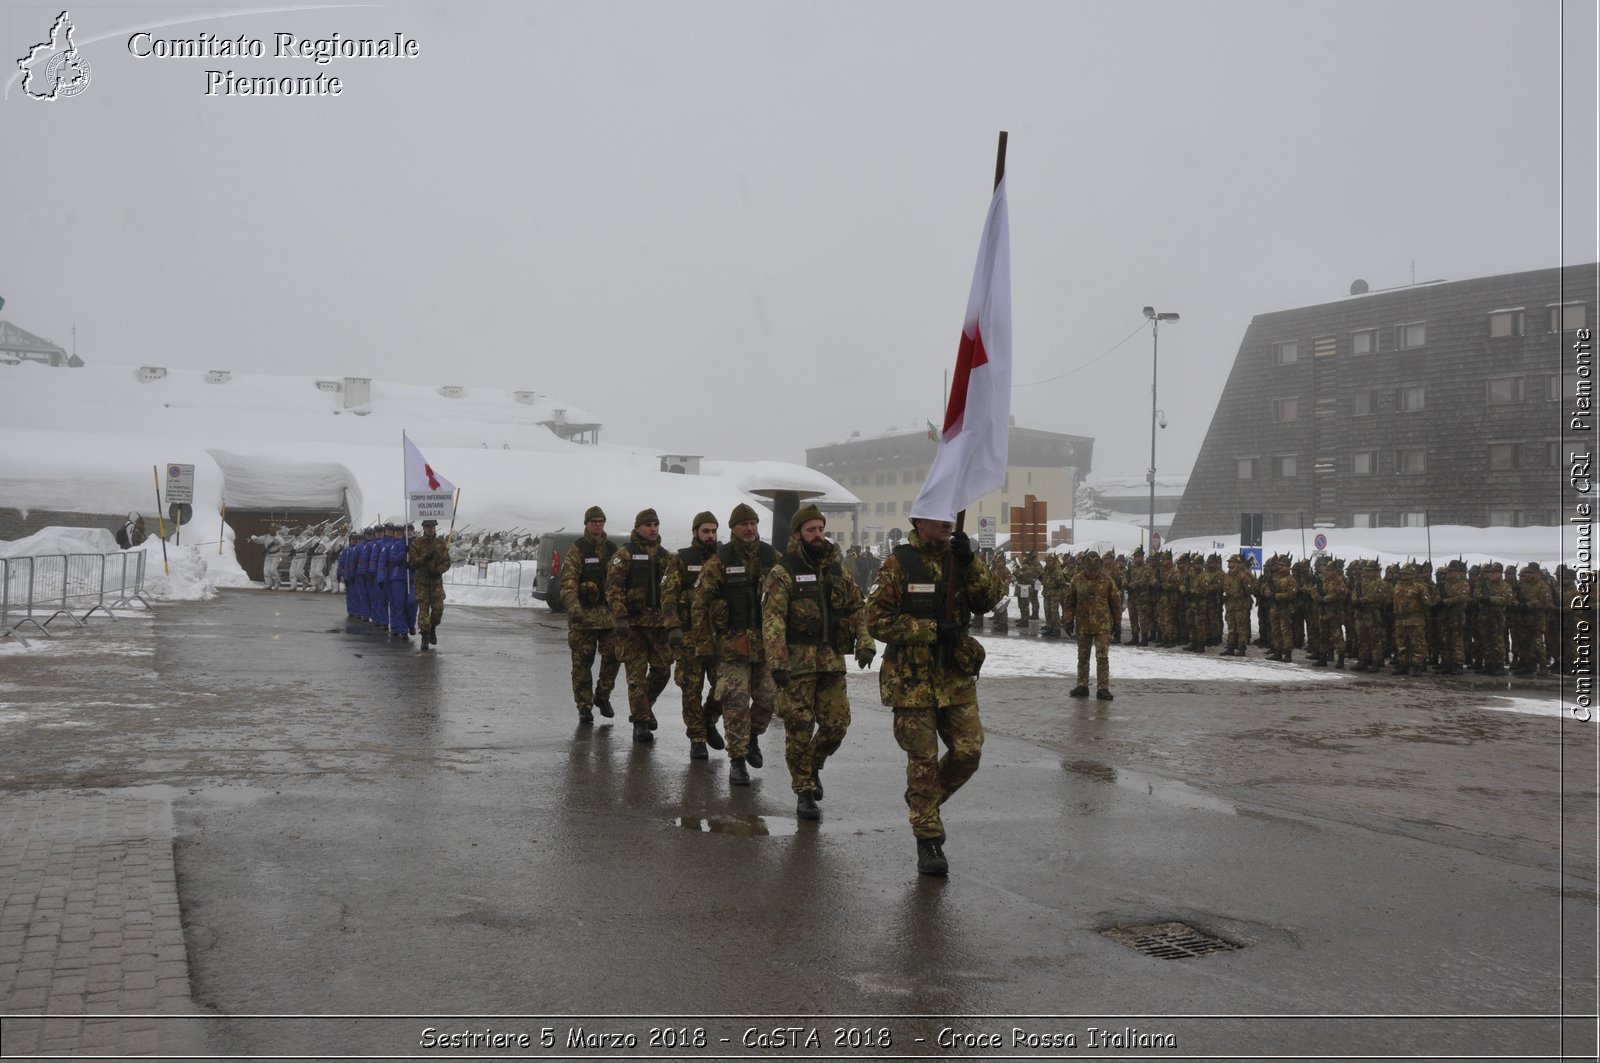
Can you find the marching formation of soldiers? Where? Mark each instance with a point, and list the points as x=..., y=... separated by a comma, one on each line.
x=771, y=631
x=304, y=560
x=1490, y=618
x=394, y=579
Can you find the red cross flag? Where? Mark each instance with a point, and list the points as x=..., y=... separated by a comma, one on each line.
x=427, y=493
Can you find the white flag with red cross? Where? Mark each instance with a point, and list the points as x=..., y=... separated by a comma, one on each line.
x=429, y=496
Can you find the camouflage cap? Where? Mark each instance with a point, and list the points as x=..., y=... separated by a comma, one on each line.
x=741, y=513
x=703, y=517
x=809, y=511
x=646, y=516
x=593, y=513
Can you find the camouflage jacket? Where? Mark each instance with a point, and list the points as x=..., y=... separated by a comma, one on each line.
x=712, y=633
x=1456, y=591
x=1335, y=591
x=810, y=629
x=915, y=673
x=1094, y=602
x=1412, y=598
x=1238, y=586
x=583, y=587
x=1534, y=593
x=429, y=559
x=680, y=581
x=1496, y=593
x=634, y=591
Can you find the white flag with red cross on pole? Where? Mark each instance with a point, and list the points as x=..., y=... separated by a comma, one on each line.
x=429, y=496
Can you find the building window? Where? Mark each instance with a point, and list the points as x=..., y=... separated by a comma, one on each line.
x=1505, y=389
x=1364, y=341
x=1409, y=398
x=1284, y=466
x=890, y=478
x=1502, y=518
x=1286, y=353
x=1285, y=409
x=1364, y=463
x=1552, y=454
x=1410, y=460
x=1247, y=468
x=1410, y=335
x=1504, y=457
x=894, y=507
x=1564, y=317
x=1416, y=518
x=1504, y=323
x=1363, y=520
x=1364, y=403
x=1544, y=386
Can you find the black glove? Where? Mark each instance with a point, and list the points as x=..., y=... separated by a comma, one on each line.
x=864, y=656
x=949, y=633
x=961, y=547
x=780, y=676
x=707, y=661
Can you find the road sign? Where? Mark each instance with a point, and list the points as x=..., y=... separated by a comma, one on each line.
x=180, y=483
x=1320, y=542
x=986, y=540
x=984, y=525
x=180, y=513
x=1155, y=541
x=1252, y=554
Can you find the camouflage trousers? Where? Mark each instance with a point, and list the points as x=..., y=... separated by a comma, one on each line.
x=1283, y=629
x=1453, y=637
x=1370, y=634
x=1330, y=631
x=747, y=694
x=690, y=676
x=430, y=603
x=1052, y=609
x=1528, y=639
x=1101, y=643
x=1494, y=637
x=1137, y=625
x=930, y=778
x=1411, y=641
x=1166, y=619
x=648, y=660
x=1239, y=624
x=584, y=645
x=815, y=714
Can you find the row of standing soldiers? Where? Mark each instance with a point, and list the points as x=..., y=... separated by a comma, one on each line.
x=1451, y=619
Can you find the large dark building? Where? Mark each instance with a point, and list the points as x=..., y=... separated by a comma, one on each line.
x=1434, y=403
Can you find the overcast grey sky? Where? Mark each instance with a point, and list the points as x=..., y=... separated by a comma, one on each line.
x=743, y=228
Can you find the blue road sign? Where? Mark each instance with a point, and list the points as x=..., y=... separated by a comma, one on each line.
x=1253, y=555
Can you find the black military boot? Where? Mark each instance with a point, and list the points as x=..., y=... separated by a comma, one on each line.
x=1104, y=695
x=433, y=636
x=816, y=784
x=1339, y=663
x=737, y=775
x=603, y=703
x=1319, y=662
x=1400, y=669
x=753, y=755
x=585, y=716
x=1078, y=692
x=1227, y=652
x=930, y=857
x=806, y=807
x=641, y=732
x=422, y=643
x=714, y=736
x=650, y=721
x=697, y=751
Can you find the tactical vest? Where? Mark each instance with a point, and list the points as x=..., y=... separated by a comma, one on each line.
x=693, y=561
x=924, y=597
x=741, y=588
x=810, y=585
x=645, y=572
x=593, y=570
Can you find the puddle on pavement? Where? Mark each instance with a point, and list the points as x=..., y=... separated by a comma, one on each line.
x=744, y=826
x=1174, y=793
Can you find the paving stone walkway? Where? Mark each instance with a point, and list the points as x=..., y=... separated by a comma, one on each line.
x=91, y=941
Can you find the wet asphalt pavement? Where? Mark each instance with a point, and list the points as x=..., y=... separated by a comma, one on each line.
x=362, y=829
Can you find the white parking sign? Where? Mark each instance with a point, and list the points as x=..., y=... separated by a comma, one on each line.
x=180, y=484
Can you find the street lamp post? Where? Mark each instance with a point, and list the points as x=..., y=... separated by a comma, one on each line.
x=1155, y=353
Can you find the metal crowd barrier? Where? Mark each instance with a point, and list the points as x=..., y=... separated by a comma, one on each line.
x=62, y=584
x=503, y=575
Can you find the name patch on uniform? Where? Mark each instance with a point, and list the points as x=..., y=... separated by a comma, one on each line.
x=921, y=588
x=641, y=557
x=806, y=577
x=591, y=560
x=735, y=570
x=695, y=568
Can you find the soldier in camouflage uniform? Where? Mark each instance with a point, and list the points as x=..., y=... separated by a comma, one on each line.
x=1495, y=596
x=929, y=675
x=1055, y=585
x=1093, y=598
x=812, y=614
x=1413, y=598
x=1369, y=591
x=1238, y=594
x=1000, y=573
x=700, y=713
x=429, y=558
x=645, y=620
x=1454, y=593
x=1028, y=573
x=1213, y=600
x=727, y=636
x=1168, y=594
x=590, y=624
x=1332, y=594
x=1538, y=603
x=1282, y=589
x=1139, y=598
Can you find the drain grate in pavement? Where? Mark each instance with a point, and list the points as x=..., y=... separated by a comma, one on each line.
x=1168, y=941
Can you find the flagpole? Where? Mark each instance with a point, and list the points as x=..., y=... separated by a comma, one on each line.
x=453, y=507
x=999, y=175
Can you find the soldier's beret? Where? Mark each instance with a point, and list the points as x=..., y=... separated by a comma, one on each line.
x=703, y=517
x=741, y=513
x=806, y=512
x=593, y=513
x=646, y=516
